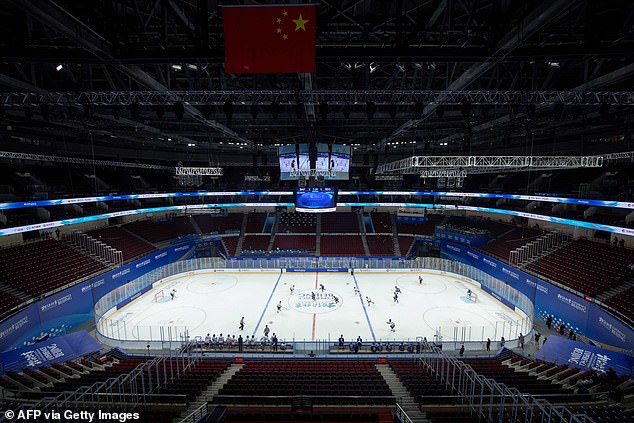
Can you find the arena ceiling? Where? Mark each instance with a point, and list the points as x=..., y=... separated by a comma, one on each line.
x=398, y=77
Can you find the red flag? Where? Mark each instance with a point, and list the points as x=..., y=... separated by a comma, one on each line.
x=269, y=39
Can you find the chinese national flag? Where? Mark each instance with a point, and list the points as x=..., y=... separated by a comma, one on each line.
x=269, y=39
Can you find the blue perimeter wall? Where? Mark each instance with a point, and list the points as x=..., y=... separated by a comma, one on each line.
x=584, y=316
x=66, y=310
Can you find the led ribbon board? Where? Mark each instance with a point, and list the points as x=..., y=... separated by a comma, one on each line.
x=561, y=221
x=564, y=200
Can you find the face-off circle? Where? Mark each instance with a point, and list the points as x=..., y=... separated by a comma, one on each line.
x=324, y=302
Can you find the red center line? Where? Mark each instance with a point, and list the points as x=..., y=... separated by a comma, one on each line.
x=315, y=314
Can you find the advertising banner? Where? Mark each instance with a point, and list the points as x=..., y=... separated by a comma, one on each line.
x=583, y=356
x=19, y=326
x=53, y=350
x=63, y=311
x=317, y=269
x=575, y=312
x=471, y=240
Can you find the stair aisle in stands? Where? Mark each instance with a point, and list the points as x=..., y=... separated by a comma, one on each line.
x=195, y=225
x=276, y=225
x=243, y=230
x=405, y=400
x=318, y=236
x=362, y=231
x=397, y=244
x=136, y=235
x=207, y=396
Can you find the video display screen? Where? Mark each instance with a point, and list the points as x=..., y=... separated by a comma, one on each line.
x=340, y=161
x=288, y=162
x=335, y=159
x=316, y=200
x=304, y=157
x=323, y=157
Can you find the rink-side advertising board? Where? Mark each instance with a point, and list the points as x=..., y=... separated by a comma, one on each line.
x=49, y=351
x=318, y=269
x=581, y=314
x=580, y=355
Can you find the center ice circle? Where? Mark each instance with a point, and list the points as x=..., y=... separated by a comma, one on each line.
x=324, y=301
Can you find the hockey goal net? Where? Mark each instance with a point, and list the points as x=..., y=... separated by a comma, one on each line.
x=158, y=296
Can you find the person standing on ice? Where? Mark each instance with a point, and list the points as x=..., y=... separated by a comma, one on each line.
x=279, y=306
x=266, y=330
x=242, y=323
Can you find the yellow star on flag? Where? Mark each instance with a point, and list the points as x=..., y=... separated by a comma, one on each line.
x=279, y=30
x=285, y=37
x=285, y=13
x=299, y=23
x=278, y=20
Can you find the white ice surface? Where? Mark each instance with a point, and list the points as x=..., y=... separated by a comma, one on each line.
x=209, y=302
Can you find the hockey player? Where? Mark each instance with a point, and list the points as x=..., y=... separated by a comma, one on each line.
x=397, y=289
x=321, y=286
x=279, y=306
x=242, y=323
x=173, y=294
x=420, y=280
x=391, y=324
x=395, y=297
x=312, y=295
x=334, y=297
x=266, y=330
x=292, y=289
x=369, y=300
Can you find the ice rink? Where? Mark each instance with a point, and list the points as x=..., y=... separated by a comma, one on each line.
x=208, y=301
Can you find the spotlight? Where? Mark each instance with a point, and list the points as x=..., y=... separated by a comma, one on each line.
x=59, y=67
